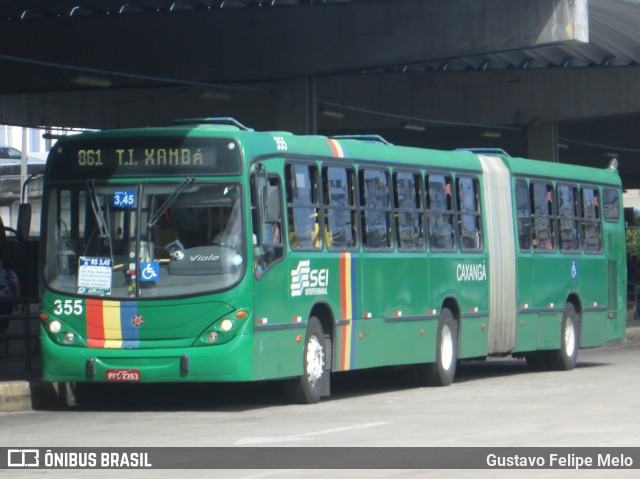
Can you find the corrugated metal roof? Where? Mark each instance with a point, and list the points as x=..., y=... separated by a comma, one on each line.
x=613, y=30
x=613, y=42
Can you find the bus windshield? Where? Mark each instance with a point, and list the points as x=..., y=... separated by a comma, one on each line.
x=129, y=240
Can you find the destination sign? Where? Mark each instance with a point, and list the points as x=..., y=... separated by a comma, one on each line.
x=85, y=158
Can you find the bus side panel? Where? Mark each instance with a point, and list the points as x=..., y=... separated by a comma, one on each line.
x=549, y=325
x=463, y=279
x=528, y=322
x=275, y=333
x=278, y=353
x=593, y=329
x=615, y=241
x=472, y=282
x=472, y=278
x=592, y=278
x=473, y=337
x=551, y=283
x=381, y=342
x=393, y=288
x=527, y=332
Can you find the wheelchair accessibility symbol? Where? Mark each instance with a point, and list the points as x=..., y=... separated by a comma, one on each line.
x=149, y=271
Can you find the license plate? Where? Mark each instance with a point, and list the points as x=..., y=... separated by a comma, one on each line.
x=123, y=375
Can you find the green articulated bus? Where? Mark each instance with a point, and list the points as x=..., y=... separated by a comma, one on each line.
x=209, y=252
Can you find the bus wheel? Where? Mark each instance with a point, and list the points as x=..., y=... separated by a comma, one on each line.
x=565, y=358
x=442, y=372
x=308, y=388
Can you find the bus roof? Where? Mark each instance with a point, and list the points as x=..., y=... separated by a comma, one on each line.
x=353, y=148
x=582, y=174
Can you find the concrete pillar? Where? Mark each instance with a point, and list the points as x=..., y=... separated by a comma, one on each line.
x=542, y=141
x=294, y=107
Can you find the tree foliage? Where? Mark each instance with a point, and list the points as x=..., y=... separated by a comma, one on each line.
x=633, y=241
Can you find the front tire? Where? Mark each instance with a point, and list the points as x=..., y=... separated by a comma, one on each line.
x=442, y=372
x=309, y=388
x=565, y=358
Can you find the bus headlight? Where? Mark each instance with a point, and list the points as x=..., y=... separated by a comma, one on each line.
x=221, y=331
x=226, y=325
x=55, y=326
x=69, y=338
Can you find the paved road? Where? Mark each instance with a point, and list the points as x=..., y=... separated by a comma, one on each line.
x=493, y=403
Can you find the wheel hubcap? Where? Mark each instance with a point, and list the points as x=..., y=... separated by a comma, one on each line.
x=446, y=348
x=570, y=337
x=315, y=360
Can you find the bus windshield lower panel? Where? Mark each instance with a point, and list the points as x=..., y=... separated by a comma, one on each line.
x=144, y=240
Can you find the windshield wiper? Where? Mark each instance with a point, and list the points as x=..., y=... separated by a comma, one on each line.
x=169, y=201
x=104, y=231
x=103, y=227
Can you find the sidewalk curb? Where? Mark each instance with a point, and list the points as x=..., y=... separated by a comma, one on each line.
x=15, y=396
x=36, y=394
x=632, y=334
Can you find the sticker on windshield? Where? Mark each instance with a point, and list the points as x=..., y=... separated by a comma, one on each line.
x=149, y=271
x=125, y=199
x=94, y=275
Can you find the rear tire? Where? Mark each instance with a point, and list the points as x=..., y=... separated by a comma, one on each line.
x=309, y=388
x=442, y=372
x=565, y=358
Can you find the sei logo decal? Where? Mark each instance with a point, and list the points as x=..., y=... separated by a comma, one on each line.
x=309, y=282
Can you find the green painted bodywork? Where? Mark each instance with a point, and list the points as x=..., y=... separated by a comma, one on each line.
x=396, y=296
x=546, y=279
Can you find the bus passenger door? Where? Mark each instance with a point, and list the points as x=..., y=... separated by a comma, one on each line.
x=271, y=297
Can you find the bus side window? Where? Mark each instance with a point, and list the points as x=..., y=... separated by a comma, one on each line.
x=409, y=213
x=592, y=228
x=543, y=231
x=376, y=208
x=469, y=210
x=523, y=209
x=568, y=218
x=611, y=205
x=340, y=207
x=441, y=214
x=303, y=207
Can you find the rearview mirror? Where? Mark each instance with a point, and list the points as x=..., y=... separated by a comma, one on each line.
x=24, y=221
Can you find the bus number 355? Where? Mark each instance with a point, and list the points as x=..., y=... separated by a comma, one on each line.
x=67, y=307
